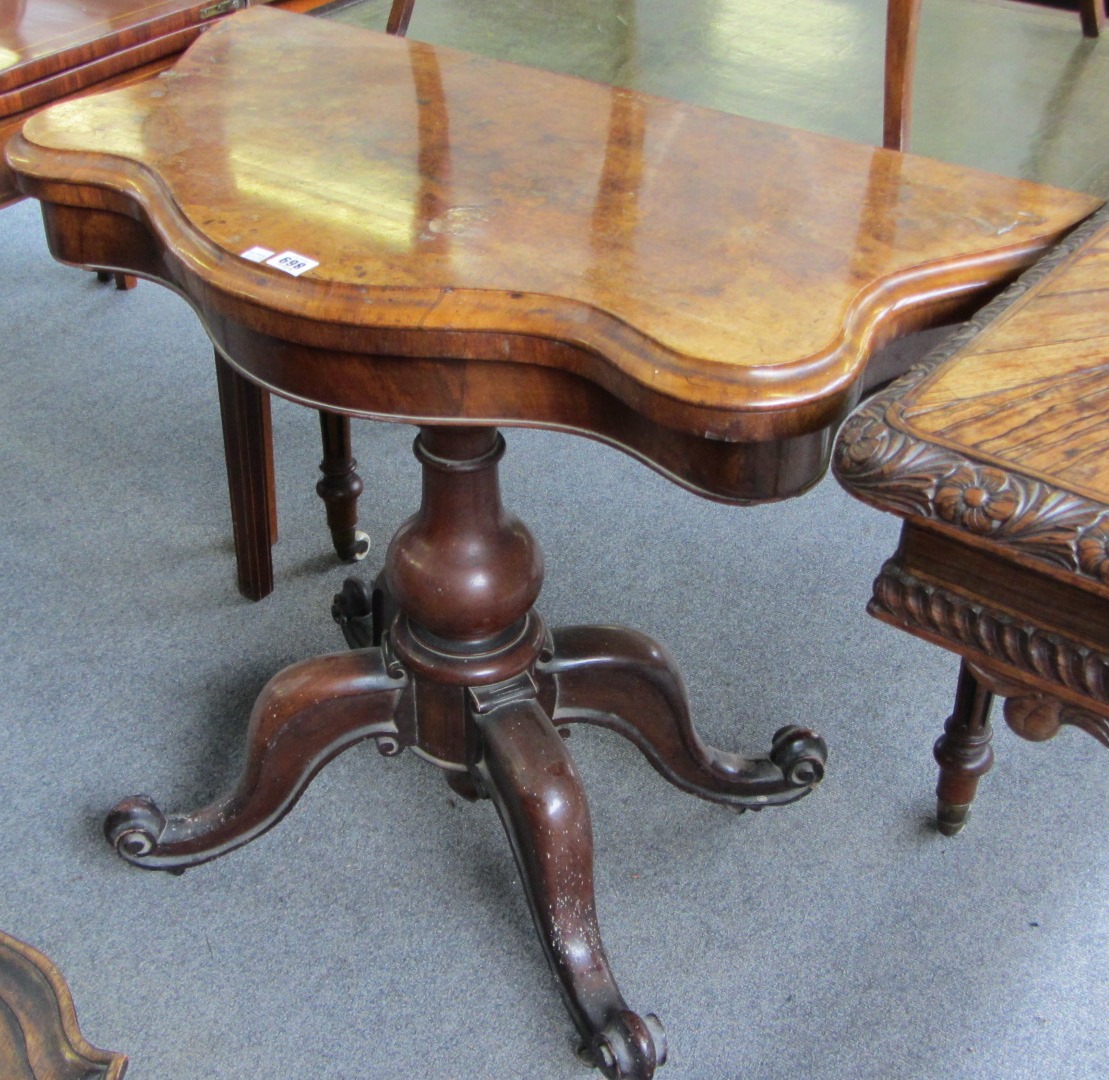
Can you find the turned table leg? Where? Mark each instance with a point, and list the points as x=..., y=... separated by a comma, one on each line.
x=963, y=752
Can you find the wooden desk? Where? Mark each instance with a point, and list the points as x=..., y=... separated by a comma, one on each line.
x=462, y=244
x=994, y=452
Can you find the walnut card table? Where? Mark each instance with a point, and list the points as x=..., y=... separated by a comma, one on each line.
x=993, y=451
x=385, y=229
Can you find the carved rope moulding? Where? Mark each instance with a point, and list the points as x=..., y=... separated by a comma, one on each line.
x=916, y=604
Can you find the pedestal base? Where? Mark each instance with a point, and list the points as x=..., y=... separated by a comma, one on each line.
x=451, y=660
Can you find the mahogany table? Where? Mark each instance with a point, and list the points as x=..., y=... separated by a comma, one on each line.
x=993, y=450
x=462, y=245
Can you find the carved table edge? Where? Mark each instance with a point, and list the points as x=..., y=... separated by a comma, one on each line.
x=881, y=465
x=1025, y=664
x=14, y=953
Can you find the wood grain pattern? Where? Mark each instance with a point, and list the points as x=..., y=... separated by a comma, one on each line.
x=116, y=59
x=1032, y=392
x=808, y=251
x=39, y=1036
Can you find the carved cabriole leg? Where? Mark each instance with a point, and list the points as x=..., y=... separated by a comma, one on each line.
x=248, y=449
x=963, y=751
x=340, y=487
x=523, y=765
x=305, y=716
x=622, y=680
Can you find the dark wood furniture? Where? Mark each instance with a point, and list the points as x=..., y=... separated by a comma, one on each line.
x=68, y=48
x=495, y=246
x=39, y=1036
x=993, y=450
x=1092, y=15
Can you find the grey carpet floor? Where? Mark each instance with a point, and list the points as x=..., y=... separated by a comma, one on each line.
x=380, y=931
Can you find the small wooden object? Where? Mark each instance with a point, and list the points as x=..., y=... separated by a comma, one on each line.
x=994, y=451
x=39, y=1036
x=465, y=244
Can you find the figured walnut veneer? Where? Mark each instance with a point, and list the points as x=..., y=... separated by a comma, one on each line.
x=716, y=275
x=994, y=452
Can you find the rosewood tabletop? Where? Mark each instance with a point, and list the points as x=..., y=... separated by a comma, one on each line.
x=559, y=252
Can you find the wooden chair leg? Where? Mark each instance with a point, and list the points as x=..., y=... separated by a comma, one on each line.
x=248, y=446
x=399, y=15
x=123, y=281
x=339, y=487
x=902, y=23
x=1092, y=14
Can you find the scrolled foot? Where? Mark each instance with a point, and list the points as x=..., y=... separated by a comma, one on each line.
x=622, y=680
x=304, y=716
x=134, y=826
x=364, y=614
x=801, y=755
x=352, y=608
x=630, y=1047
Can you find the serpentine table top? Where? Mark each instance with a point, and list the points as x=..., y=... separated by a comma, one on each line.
x=480, y=242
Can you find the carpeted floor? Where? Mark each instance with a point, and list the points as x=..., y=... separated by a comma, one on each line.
x=380, y=931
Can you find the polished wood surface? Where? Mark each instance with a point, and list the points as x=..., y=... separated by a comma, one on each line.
x=52, y=50
x=40, y=38
x=39, y=1036
x=1032, y=391
x=570, y=220
x=481, y=244
x=993, y=452
x=61, y=49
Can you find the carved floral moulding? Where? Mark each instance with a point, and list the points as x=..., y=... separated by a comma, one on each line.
x=879, y=462
x=994, y=638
